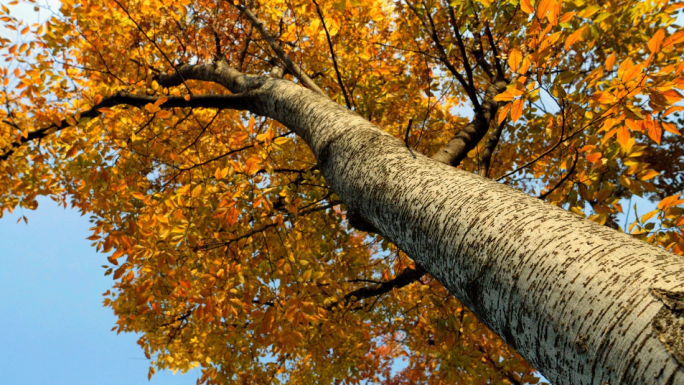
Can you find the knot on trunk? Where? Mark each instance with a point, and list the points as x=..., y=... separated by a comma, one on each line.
x=668, y=324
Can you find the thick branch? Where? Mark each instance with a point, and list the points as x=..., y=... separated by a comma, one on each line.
x=466, y=139
x=405, y=278
x=489, y=149
x=495, y=52
x=232, y=102
x=292, y=66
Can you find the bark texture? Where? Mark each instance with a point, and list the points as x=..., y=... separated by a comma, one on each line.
x=581, y=302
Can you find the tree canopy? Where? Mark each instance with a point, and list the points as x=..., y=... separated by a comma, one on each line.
x=229, y=251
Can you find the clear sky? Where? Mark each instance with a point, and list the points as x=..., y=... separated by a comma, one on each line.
x=54, y=329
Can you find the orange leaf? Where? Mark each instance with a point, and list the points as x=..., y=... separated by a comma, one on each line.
x=544, y=8
x=671, y=128
x=623, y=135
x=252, y=166
x=161, y=101
x=504, y=112
x=672, y=109
x=232, y=216
x=654, y=131
x=165, y=114
x=250, y=126
x=656, y=41
x=526, y=6
x=504, y=97
x=675, y=38
x=98, y=99
x=594, y=157
x=668, y=202
x=610, y=62
x=647, y=174
x=603, y=97
x=514, y=59
x=119, y=272
x=573, y=38
x=516, y=109
x=72, y=151
x=631, y=73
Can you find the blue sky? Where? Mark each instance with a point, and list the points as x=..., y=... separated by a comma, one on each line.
x=54, y=328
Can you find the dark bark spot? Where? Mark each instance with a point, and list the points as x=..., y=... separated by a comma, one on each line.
x=668, y=324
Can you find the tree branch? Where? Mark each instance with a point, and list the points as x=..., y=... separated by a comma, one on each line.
x=466, y=139
x=334, y=59
x=243, y=52
x=292, y=66
x=221, y=102
x=443, y=56
x=405, y=278
x=564, y=179
x=489, y=149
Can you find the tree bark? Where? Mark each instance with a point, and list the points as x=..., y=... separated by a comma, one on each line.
x=582, y=303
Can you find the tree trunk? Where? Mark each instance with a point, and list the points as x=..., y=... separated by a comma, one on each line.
x=582, y=303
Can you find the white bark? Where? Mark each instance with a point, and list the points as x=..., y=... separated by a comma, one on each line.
x=574, y=298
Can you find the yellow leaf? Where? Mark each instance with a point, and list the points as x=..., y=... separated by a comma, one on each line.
x=138, y=195
x=656, y=41
x=516, y=110
x=514, y=59
x=281, y=141
x=196, y=191
x=648, y=216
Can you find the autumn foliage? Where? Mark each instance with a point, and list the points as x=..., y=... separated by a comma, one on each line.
x=227, y=249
